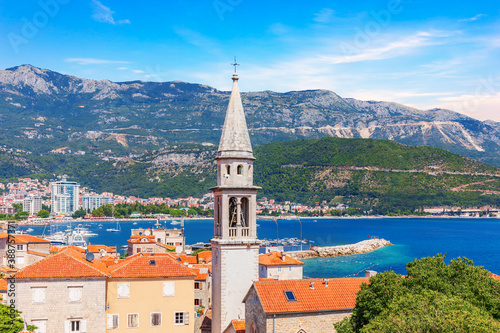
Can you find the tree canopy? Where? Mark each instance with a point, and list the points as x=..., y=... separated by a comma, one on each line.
x=433, y=297
x=8, y=325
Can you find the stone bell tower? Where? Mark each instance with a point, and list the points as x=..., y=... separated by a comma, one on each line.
x=235, y=247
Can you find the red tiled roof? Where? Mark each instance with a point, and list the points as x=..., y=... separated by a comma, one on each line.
x=239, y=325
x=339, y=294
x=205, y=256
x=139, y=265
x=266, y=279
x=64, y=264
x=140, y=240
x=28, y=239
x=96, y=248
x=185, y=258
x=59, y=248
x=108, y=260
x=3, y=284
x=275, y=258
x=496, y=277
x=3, y=235
x=142, y=236
x=7, y=269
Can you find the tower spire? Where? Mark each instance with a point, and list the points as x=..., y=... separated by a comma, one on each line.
x=235, y=140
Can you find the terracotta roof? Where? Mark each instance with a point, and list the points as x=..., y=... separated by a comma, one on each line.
x=205, y=256
x=142, y=236
x=3, y=235
x=108, y=260
x=169, y=247
x=275, y=258
x=339, y=294
x=7, y=269
x=64, y=264
x=59, y=248
x=266, y=279
x=239, y=325
x=140, y=240
x=3, y=284
x=28, y=239
x=96, y=248
x=139, y=265
x=496, y=277
x=185, y=258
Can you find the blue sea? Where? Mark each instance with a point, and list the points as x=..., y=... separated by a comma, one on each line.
x=476, y=239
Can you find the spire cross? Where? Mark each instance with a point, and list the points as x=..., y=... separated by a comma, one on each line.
x=235, y=64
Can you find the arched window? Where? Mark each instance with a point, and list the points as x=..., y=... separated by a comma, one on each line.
x=253, y=329
x=233, y=212
x=301, y=331
x=228, y=168
x=244, y=212
x=239, y=169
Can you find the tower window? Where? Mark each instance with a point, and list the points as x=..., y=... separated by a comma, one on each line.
x=240, y=169
x=228, y=168
x=244, y=212
x=233, y=212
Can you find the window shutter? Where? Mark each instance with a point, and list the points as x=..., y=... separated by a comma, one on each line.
x=67, y=326
x=186, y=318
x=168, y=288
x=110, y=321
x=83, y=326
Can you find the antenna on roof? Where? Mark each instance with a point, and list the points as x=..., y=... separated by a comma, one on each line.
x=89, y=256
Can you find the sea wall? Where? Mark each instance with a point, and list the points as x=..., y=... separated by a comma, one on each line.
x=341, y=250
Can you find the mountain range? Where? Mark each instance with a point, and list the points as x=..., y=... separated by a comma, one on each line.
x=43, y=111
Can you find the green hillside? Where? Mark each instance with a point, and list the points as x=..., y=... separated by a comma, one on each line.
x=377, y=175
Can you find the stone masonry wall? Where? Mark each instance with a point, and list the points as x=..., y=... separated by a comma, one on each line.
x=310, y=323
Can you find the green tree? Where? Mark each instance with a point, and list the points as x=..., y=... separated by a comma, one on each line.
x=9, y=325
x=43, y=214
x=79, y=213
x=18, y=207
x=433, y=297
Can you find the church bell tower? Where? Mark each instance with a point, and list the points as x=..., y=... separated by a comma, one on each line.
x=235, y=247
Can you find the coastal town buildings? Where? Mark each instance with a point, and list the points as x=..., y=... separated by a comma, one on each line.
x=94, y=201
x=171, y=237
x=65, y=197
x=303, y=305
x=148, y=293
x=32, y=204
x=28, y=249
x=146, y=244
x=279, y=266
x=63, y=292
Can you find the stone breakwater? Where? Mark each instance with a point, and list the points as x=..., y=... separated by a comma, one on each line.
x=340, y=250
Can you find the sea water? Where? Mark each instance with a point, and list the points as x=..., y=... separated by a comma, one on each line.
x=412, y=238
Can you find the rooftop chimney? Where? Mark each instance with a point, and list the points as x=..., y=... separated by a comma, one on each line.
x=326, y=283
x=312, y=285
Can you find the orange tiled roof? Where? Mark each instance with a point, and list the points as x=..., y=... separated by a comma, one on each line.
x=206, y=256
x=496, y=277
x=96, y=248
x=139, y=265
x=7, y=269
x=275, y=258
x=185, y=258
x=108, y=260
x=339, y=294
x=64, y=264
x=28, y=239
x=142, y=236
x=239, y=325
x=3, y=284
x=140, y=240
x=266, y=279
x=59, y=248
x=169, y=247
x=3, y=235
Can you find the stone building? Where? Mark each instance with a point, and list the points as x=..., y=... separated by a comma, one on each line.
x=62, y=293
x=235, y=245
x=171, y=237
x=147, y=244
x=150, y=292
x=28, y=249
x=308, y=305
x=277, y=265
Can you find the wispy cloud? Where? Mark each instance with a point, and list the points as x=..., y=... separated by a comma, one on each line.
x=279, y=29
x=137, y=71
x=105, y=14
x=472, y=19
x=324, y=16
x=94, y=61
x=197, y=39
x=390, y=50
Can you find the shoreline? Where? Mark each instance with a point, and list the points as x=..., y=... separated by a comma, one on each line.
x=365, y=246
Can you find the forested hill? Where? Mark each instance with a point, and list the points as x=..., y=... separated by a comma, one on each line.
x=373, y=175
x=365, y=173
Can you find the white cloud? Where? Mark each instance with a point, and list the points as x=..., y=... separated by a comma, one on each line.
x=324, y=16
x=105, y=14
x=482, y=107
x=122, y=68
x=472, y=19
x=137, y=71
x=278, y=29
x=93, y=61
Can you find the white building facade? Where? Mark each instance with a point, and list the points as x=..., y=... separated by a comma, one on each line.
x=91, y=202
x=32, y=204
x=65, y=197
x=235, y=246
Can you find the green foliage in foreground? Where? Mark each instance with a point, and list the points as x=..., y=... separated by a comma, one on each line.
x=434, y=297
x=9, y=325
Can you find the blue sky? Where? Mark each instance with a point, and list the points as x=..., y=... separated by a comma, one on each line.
x=420, y=53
